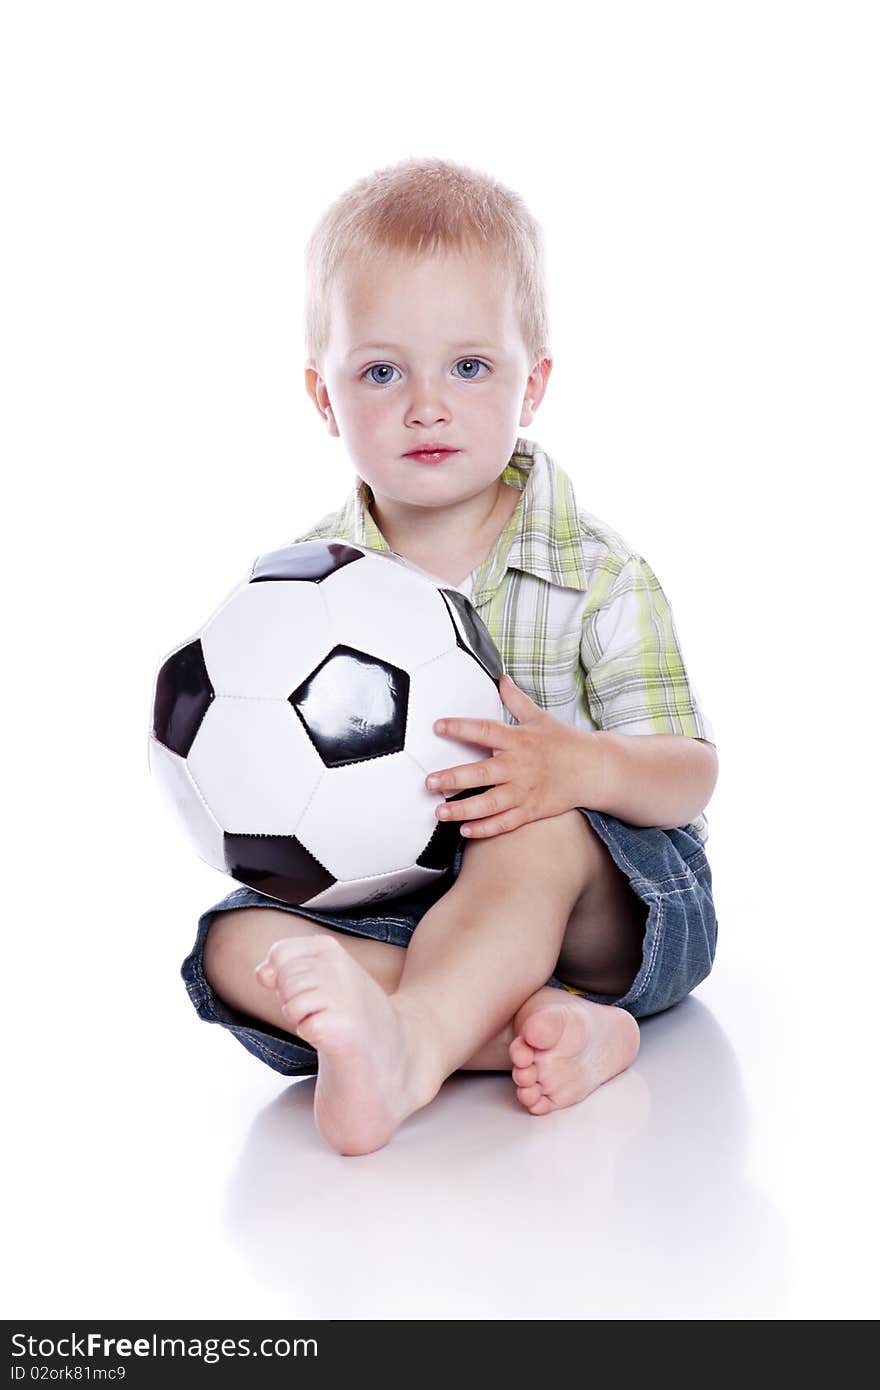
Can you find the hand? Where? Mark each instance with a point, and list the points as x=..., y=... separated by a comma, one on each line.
x=530, y=770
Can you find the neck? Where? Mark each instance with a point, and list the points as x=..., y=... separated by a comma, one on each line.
x=449, y=544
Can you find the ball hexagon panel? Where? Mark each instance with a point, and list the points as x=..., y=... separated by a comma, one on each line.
x=253, y=767
x=364, y=600
x=353, y=707
x=376, y=889
x=369, y=818
x=193, y=815
x=454, y=685
x=267, y=639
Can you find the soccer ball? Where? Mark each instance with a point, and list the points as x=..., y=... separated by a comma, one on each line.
x=293, y=733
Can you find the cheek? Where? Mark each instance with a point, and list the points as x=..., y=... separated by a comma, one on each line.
x=501, y=410
x=368, y=416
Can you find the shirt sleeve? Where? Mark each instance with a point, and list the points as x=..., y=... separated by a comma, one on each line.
x=634, y=672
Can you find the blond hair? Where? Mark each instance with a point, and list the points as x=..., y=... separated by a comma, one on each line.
x=425, y=206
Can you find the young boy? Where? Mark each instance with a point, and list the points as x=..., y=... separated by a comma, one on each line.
x=426, y=332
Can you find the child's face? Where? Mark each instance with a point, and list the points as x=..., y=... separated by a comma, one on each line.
x=422, y=353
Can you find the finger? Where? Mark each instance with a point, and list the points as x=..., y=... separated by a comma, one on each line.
x=489, y=733
x=516, y=699
x=495, y=825
x=492, y=802
x=452, y=779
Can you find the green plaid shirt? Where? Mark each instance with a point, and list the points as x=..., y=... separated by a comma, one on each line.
x=579, y=618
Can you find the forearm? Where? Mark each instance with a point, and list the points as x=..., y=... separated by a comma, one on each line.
x=661, y=780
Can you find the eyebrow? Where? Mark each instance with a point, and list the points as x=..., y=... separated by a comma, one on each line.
x=474, y=343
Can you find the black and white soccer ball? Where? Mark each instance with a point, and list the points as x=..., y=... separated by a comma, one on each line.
x=293, y=733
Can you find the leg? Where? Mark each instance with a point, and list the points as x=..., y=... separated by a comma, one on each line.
x=565, y=1047
x=601, y=952
x=493, y=939
x=602, y=946
x=240, y=938
x=479, y=952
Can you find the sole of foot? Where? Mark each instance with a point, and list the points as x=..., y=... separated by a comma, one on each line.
x=565, y=1047
x=365, y=1086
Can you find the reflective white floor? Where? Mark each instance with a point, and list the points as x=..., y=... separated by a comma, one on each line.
x=166, y=1173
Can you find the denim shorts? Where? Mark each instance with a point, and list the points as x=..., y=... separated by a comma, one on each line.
x=667, y=869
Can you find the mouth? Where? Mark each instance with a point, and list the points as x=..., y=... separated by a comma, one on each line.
x=431, y=455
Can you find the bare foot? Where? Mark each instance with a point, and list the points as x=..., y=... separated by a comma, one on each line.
x=565, y=1046
x=368, y=1080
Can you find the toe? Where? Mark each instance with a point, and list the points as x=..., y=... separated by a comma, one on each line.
x=521, y=1055
x=265, y=974
x=543, y=1106
x=544, y=1028
x=525, y=1076
x=528, y=1095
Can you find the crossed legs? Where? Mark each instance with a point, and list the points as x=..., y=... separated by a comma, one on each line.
x=390, y=1024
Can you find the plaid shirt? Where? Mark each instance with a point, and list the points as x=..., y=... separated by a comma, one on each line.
x=579, y=618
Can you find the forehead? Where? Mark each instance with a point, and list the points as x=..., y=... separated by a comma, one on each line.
x=401, y=299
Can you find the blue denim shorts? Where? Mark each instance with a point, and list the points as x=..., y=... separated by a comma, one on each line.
x=667, y=869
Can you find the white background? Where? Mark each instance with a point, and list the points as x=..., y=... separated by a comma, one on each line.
x=706, y=175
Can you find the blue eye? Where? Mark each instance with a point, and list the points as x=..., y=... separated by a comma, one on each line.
x=472, y=361
x=379, y=366
x=386, y=367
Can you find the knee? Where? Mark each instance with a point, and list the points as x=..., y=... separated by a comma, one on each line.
x=554, y=852
x=570, y=829
x=222, y=953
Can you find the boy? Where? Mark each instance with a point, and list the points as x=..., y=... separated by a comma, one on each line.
x=427, y=341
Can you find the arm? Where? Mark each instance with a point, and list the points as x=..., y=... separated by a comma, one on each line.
x=634, y=675
x=635, y=679
x=544, y=767
x=662, y=780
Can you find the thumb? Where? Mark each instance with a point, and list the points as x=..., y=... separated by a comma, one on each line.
x=513, y=697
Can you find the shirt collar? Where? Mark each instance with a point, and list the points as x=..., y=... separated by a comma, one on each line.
x=542, y=537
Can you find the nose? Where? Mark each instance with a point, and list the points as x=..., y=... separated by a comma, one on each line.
x=426, y=418
x=427, y=406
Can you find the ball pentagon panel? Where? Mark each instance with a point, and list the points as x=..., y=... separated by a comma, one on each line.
x=313, y=560
x=183, y=694
x=472, y=634
x=353, y=707
x=279, y=866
